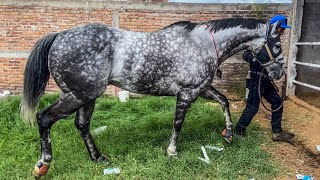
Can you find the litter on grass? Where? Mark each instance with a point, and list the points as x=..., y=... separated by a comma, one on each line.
x=124, y=96
x=5, y=93
x=111, y=171
x=99, y=130
x=205, y=155
x=215, y=148
x=304, y=177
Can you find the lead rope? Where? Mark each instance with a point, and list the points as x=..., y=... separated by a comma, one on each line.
x=282, y=96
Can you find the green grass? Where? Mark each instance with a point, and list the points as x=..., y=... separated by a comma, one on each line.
x=136, y=140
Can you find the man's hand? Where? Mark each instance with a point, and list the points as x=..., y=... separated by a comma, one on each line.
x=247, y=56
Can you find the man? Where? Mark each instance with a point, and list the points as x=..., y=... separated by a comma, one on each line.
x=267, y=91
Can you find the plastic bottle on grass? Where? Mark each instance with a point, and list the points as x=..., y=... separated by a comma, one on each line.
x=111, y=171
x=99, y=130
x=214, y=148
x=124, y=96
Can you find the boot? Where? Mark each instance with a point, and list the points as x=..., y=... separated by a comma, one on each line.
x=240, y=134
x=282, y=136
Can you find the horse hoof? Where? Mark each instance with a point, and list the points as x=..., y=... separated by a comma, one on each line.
x=40, y=169
x=227, y=134
x=229, y=139
x=171, y=153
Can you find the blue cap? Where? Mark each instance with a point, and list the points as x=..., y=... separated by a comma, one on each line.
x=280, y=18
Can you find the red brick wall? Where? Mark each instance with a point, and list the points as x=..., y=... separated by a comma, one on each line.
x=11, y=73
x=23, y=23
x=22, y=26
x=148, y=21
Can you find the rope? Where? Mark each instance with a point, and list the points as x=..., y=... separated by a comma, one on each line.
x=259, y=92
x=214, y=43
x=215, y=46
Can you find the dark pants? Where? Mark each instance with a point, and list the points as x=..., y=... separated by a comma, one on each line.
x=269, y=92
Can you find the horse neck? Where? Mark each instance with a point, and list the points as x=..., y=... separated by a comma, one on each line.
x=232, y=40
x=227, y=42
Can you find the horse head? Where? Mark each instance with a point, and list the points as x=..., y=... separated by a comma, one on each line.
x=269, y=53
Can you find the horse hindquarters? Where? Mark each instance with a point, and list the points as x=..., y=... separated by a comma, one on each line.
x=36, y=76
x=80, y=61
x=35, y=80
x=82, y=77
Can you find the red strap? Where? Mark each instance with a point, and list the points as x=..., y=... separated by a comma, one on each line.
x=214, y=43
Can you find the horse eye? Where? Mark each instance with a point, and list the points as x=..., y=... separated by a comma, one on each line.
x=278, y=45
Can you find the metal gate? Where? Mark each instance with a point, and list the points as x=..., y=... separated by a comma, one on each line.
x=304, y=56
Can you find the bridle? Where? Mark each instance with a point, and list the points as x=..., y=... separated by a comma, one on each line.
x=258, y=49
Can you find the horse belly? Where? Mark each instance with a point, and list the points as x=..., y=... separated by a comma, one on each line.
x=143, y=86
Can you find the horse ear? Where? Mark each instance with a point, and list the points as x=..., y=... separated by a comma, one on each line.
x=273, y=29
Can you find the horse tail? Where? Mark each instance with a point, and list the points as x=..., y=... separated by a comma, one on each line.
x=36, y=77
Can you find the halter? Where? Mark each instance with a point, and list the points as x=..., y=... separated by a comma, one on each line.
x=264, y=44
x=258, y=49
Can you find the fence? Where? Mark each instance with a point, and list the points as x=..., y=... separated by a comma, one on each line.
x=304, y=61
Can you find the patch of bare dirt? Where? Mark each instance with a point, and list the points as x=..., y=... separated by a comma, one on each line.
x=301, y=119
x=312, y=99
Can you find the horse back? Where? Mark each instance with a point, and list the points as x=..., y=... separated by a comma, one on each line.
x=159, y=63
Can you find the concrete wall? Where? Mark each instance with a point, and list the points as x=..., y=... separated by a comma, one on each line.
x=23, y=22
x=310, y=54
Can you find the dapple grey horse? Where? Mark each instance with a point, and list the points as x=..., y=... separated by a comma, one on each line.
x=179, y=60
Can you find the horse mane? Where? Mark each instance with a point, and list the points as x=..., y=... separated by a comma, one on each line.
x=189, y=26
x=216, y=25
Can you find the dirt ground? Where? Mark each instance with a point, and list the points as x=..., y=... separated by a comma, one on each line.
x=301, y=156
x=313, y=99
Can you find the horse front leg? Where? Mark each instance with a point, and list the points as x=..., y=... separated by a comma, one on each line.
x=82, y=122
x=184, y=100
x=212, y=94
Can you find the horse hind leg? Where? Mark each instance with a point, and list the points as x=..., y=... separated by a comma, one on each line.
x=82, y=122
x=65, y=106
x=212, y=94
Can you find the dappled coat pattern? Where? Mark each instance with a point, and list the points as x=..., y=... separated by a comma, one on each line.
x=178, y=60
